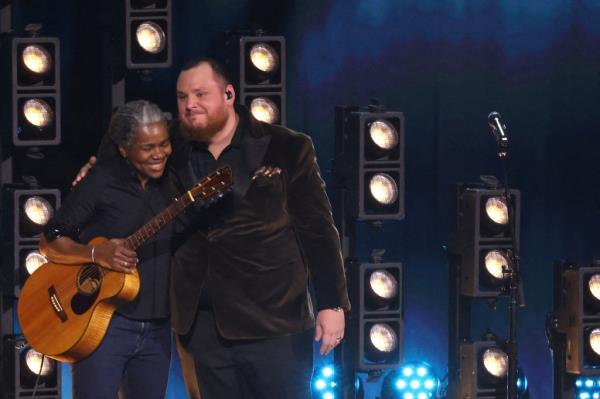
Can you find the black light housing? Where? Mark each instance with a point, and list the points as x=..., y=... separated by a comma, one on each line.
x=37, y=373
x=262, y=62
x=483, y=371
x=36, y=63
x=36, y=96
x=149, y=4
x=581, y=321
x=374, y=337
x=257, y=64
x=148, y=28
x=20, y=232
x=370, y=162
x=25, y=375
x=482, y=239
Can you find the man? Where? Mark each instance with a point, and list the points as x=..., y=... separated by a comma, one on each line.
x=239, y=288
x=123, y=192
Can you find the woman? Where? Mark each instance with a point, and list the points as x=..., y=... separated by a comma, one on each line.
x=116, y=198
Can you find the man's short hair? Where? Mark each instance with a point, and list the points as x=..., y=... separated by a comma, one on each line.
x=217, y=67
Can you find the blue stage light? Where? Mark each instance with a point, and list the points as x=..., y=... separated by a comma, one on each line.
x=411, y=381
x=589, y=383
x=587, y=388
x=324, y=384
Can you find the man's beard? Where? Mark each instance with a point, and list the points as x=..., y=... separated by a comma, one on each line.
x=204, y=134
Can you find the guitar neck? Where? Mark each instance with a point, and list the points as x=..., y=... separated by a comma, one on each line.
x=210, y=186
x=158, y=222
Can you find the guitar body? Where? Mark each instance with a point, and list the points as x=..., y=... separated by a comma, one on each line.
x=65, y=310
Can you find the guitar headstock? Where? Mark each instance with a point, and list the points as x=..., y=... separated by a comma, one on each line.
x=213, y=186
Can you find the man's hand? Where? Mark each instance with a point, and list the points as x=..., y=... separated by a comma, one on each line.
x=329, y=329
x=113, y=255
x=84, y=170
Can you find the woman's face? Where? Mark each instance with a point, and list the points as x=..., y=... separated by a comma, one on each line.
x=149, y=150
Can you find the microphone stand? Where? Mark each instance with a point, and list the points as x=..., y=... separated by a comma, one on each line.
x=513, y=281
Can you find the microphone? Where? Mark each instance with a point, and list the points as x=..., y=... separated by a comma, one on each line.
x=498, y=129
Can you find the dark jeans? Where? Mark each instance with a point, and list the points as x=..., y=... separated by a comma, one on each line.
x=134, y=352
x=273, y=368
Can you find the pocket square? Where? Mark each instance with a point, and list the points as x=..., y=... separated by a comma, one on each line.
x=266, y=171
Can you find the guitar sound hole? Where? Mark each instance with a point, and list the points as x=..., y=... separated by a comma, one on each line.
x=89, y=280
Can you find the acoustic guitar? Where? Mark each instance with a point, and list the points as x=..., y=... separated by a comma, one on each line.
x=65, y=310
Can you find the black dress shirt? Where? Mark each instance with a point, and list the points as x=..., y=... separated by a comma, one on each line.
x=110, y=202
x=203, y=163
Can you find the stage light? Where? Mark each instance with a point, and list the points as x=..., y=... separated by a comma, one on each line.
x=150, y=37
x=496, y=262
x=370, y=162
x=383, y=284
x=34, y=260
x=148, y=34
x=32, y=210
x=482, y=246
x=27, y=259
x=264, y=58
x=262, y=61
x=594, y=286
x=382, y=339
x=257, y=65
x=374, y=331
x=264, y=110
x=496, y=210
x=37, y=372
x=594, y=340
x=25, y=212
x=484, y=369
x=415, y=380
x=38, y=210
x=38, y=363
x=35, y=62
x=581, y=320
x=37, y=59
x=38, y=112
x=495, y=362
x=325, y=383
x=36, y=91
x=383, y=189
x=383, y=134
x=587, y=388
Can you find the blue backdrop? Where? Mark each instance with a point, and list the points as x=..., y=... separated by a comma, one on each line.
x=446, y=65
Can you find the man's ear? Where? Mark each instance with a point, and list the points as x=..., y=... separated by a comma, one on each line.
x=229, y=93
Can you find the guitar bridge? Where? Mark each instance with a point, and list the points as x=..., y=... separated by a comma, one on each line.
x=56, y=305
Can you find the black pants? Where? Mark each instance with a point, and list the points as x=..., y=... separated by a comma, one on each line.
x=274, y=368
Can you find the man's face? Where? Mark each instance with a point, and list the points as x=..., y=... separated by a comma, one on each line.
x=201, y=102
x=148, y=151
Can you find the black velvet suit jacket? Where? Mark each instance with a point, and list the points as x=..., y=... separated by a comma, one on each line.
x=256, y=249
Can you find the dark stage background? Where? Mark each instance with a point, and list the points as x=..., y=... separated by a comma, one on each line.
x=446, y=65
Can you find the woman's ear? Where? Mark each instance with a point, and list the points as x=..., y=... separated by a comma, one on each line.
x=123, y=151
